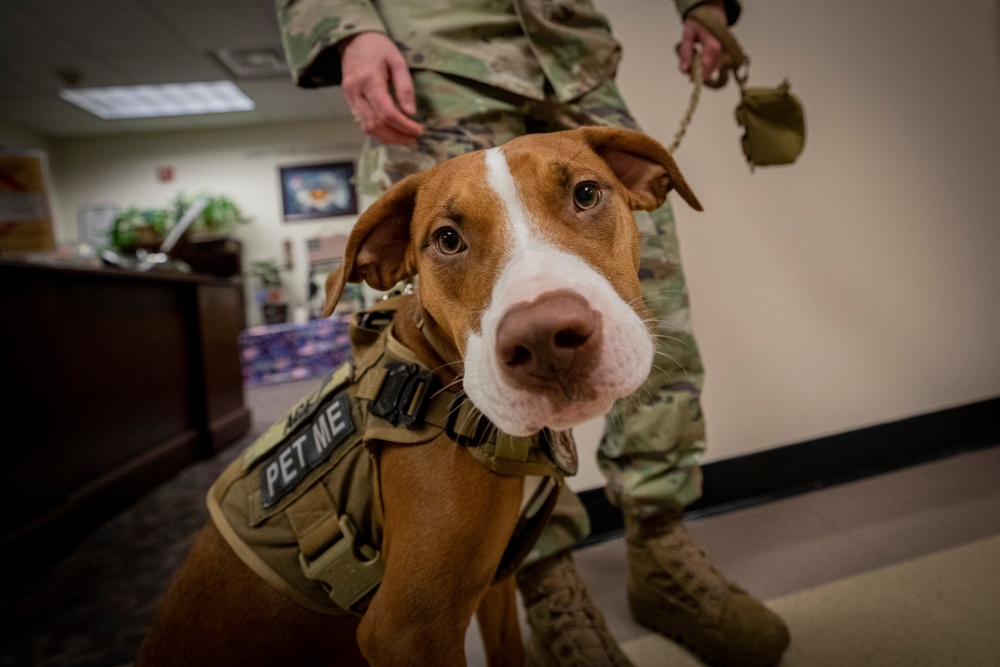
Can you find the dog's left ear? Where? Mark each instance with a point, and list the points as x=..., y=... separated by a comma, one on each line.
x=642, y=164
x=377, y=249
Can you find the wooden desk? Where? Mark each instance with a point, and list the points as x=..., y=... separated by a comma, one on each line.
x=116, y=381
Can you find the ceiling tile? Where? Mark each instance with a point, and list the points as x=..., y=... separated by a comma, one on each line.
x=14, y=84
x=46, y=74
x=203, y=3
x=234, y=26
x=104, y=30
x=165, y=68
x=283, y=91
x=74, y=4
x=278, y=89
x=121, y=42
x=23, y=35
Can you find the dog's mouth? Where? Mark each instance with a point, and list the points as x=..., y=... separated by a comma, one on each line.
x=535, y=413
x=562, y=449
x=576, y=413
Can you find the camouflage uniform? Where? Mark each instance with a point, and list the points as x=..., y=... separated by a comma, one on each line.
x=485, y=72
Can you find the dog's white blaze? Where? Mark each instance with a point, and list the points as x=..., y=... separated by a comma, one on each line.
x=533, y=266
x=502, y=181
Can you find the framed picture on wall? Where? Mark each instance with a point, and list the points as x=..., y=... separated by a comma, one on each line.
x=318, y=191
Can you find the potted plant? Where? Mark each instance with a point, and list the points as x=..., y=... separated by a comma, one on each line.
x=270, y=293
x=219, y=218
x=134, y=228
x=207, y=246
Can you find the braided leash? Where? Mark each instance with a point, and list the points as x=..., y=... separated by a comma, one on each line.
x=699, y=80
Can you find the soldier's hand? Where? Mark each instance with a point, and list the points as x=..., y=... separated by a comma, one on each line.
x=370, y=63
x=712, y=55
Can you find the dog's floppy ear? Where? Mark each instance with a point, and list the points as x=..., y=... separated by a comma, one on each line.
x=642, y=164
x=376, y=251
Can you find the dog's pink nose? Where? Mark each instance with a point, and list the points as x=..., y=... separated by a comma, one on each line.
x=549, y=343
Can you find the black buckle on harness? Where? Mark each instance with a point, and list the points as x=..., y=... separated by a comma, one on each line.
x=404, y=394
x=375, y=320
x=482, y=424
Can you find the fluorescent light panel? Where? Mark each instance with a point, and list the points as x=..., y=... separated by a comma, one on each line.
x=172, y=99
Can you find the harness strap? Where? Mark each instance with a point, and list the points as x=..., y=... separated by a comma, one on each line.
x=329, y=550
x=314, y=520
x=246, y=553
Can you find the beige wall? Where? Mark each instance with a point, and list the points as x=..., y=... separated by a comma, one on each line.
x=856, y=287
x=242, y=163
x=860, y=285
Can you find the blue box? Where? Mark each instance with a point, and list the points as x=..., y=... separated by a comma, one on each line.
x=288, y=352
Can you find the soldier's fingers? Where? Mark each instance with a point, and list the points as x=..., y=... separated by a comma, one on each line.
x=387, y=115
x=400, y=123
x=382, y=132
x=387, y=135
x=686, y=50
x=352, y=91
x=402, y=84
x=712, y=56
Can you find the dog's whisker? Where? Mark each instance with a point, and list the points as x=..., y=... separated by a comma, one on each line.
x=664, y=371
x=673, y=339
x=456, y=381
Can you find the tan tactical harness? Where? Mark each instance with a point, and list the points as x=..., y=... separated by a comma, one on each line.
x=301, y=507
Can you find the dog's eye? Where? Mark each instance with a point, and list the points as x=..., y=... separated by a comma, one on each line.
x=448, y=241
x=587, y=195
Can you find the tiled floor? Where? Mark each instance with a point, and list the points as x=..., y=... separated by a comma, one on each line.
x=798, y=543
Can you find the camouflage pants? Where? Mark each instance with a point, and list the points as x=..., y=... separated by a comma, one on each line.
x=654, y=438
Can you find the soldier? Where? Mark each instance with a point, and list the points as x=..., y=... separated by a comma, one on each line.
x=431, y=79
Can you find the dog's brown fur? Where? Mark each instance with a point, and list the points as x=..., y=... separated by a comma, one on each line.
x=447, y=518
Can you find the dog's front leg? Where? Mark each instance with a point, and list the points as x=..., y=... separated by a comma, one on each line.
x=447, y=522
x=499, y=626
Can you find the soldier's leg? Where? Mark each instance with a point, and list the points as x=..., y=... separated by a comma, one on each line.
x=651, y=447
x=458, y=116
x=654, y=438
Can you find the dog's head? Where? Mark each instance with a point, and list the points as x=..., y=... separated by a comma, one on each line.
x=528, y=257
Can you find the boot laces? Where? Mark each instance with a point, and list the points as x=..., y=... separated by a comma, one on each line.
x=689, y=566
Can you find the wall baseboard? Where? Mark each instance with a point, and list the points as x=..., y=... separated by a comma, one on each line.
x=786, y=471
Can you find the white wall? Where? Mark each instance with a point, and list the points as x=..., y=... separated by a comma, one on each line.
x=856, y=287
x=242, y=163
x=860, y=285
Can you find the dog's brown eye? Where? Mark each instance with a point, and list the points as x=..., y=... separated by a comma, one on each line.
x=449, y=241
x=587, y=195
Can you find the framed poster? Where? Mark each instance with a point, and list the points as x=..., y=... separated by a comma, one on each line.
x=318, y=191
x=25, y=219
x=94, y=223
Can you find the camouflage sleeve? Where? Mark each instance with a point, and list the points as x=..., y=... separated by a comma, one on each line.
x=310, y=29
x=732, y=8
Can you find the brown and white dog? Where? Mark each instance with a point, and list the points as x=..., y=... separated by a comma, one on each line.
x=527, y=257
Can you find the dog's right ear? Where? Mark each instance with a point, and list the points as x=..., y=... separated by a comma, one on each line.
x=642, y=165
x=377, y=250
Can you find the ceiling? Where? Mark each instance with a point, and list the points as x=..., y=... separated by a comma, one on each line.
x=126, y=42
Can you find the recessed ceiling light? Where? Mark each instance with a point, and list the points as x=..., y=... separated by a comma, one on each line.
x=149, y=101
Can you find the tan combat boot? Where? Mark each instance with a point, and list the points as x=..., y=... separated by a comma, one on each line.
x=567, y=630
x=674, y=590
